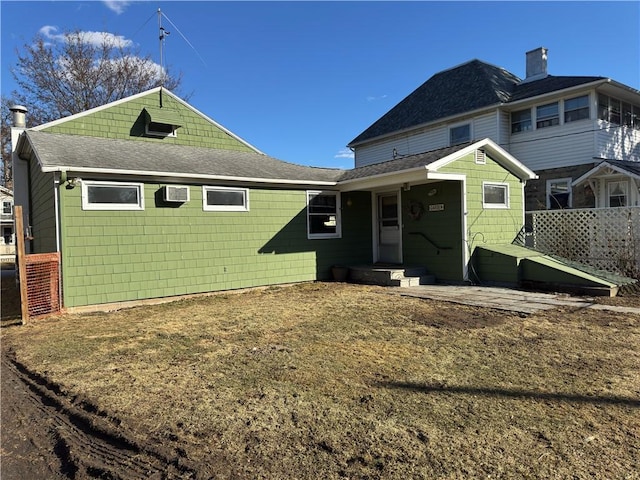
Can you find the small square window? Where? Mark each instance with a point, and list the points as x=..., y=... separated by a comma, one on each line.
x=495, y=195
x=559, y=193
x=460, y=134
x=7, y=208
x=223, y=199
x=547, y=115
x=576, y=109
x=617, y=193
x=521, y=121
x=323, y=215
x=112, y=196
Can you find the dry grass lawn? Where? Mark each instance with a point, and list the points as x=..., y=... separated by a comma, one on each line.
x=343, y=381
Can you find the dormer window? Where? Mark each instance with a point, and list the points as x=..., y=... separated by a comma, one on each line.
x=161, y=122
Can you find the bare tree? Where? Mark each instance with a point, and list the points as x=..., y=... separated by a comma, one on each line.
x=62, y=74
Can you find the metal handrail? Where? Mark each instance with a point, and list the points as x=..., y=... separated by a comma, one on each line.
x=430, y=241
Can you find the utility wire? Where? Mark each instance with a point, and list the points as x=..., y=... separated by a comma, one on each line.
x=184, y=38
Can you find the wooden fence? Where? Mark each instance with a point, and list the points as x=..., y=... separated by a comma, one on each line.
x=39, y=276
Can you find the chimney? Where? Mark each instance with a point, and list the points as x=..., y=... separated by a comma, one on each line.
x=536, y=64
x=18, y=116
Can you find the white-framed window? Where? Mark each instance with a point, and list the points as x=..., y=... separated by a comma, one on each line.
x=559, y=193
x=609, y=109
x=547, y=115
x=112, y=195
x=495, y=195
x=618, y=193
x=521, y=121
x=323, y=215
x=460, y=134
x=225, y=199
x=7, y=208
x=576, y=109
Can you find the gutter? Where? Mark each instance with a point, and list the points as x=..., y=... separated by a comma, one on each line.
x=171, y=176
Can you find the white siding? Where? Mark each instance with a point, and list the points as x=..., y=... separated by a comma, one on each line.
x=423, y=141
x=485, y=126
x=504, y=129
x=615, y=142
x=407, y=144
x=553, y=147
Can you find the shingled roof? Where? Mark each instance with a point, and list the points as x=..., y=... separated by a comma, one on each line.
x=400, y=164
x=468, y=87
x=57, y=152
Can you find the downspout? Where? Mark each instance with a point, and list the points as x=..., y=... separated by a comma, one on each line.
x=466, y=254
x=58, y=180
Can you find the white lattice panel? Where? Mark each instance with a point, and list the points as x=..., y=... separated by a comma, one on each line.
x=606, y=238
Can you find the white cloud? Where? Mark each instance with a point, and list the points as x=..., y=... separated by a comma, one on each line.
x=344, y=153
x=116, y=5
x=371, y=98
x=94, y=38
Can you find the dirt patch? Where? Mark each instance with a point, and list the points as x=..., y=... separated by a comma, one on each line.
x=333, y=381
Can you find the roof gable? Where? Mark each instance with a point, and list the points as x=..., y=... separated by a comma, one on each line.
x=632, y=169
x=128, y=117
x=434, y=160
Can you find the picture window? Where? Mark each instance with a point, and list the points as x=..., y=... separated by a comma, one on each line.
x=495, y=195
x=112, y=196
x=223, y=199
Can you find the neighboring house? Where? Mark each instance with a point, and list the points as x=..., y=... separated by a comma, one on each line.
x=147, y=197
x=561, y=127
x=7, y=240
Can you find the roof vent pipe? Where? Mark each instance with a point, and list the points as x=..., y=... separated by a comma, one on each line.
x=18, y=116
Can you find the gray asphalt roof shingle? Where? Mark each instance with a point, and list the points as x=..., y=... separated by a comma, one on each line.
x=74, y=151
x=468, y=87
x=405, y=163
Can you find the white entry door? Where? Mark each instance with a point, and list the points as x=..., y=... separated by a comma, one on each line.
x=389, y=228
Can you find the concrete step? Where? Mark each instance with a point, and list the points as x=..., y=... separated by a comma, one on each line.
x=413, y=281
x=391, y=276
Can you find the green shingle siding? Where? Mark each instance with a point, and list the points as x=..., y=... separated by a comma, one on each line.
x=127, y=121
x=445, y=227
x=42, y=211
x=112, y=256
x=489, y=225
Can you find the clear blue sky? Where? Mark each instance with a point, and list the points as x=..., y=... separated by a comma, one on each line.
x=299, y=80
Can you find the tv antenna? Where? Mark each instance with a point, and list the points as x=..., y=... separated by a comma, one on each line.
x=163, y=35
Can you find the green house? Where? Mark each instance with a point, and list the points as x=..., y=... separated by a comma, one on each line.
x=147, y=197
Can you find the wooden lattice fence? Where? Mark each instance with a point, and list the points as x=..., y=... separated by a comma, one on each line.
x=604, y=238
